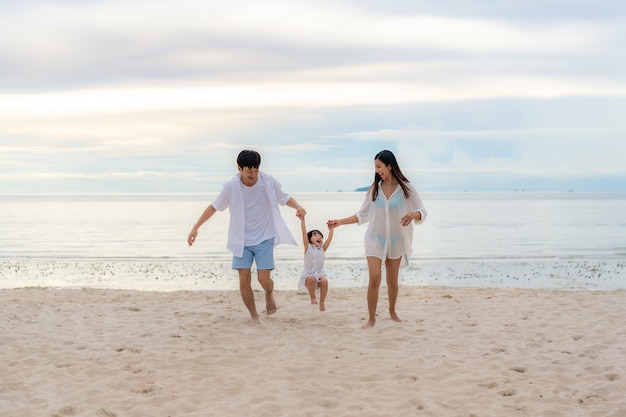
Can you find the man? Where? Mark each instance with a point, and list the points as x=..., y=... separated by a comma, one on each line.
x=256, y=226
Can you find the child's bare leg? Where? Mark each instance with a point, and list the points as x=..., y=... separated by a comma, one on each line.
x=323, y=291
x=310, y=285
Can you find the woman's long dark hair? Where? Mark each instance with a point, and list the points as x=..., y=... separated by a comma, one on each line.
x=389, y=159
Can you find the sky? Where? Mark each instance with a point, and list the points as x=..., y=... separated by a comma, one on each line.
x=160, y=96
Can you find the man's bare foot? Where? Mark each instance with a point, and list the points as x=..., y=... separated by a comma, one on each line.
x=270, y=304
x=368, y=325
x=322, y=307
x=394, y=316
x=254, y=320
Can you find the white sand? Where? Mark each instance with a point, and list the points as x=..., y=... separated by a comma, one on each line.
x=458, y=352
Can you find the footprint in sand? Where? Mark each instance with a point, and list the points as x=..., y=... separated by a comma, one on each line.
x=130, y=349
x=105, y=413
x=65, y=411
x=508, y=392
x=489, y=385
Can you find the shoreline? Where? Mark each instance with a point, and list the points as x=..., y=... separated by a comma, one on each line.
x=180, y=275
x=457, y=352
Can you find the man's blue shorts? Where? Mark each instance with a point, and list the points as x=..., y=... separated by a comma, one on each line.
x=263, y=253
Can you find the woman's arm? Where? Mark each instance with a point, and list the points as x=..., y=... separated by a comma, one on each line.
x=417, y=213
x=346, y=220
x=412, y=216
x=363, y=213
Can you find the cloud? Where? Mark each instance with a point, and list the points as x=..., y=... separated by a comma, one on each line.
x=116, y=42
x=305, y=94
x=561, y=153
x=161, y=95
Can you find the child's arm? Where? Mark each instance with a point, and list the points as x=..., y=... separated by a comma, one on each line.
x=331, y=229
x=305, y=239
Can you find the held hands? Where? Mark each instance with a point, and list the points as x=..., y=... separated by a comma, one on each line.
x=332, y=224
x=300, y=213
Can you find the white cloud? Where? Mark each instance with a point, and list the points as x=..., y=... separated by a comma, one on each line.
x=112, y=41
x=170, y=92
x=537, y=152
x=305, y=94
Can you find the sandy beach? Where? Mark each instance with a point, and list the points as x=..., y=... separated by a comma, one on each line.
x=458, y=352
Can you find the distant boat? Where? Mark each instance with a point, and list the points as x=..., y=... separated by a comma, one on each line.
x=363, y=188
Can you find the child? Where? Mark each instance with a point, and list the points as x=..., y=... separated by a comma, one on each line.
x=314, y=276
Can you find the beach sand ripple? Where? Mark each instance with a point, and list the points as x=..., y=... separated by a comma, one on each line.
x=458, y=352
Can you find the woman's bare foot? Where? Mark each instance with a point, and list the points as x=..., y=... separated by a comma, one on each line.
x=322, y=306
x=368, y=325
x=313, y=301
x=394, y=316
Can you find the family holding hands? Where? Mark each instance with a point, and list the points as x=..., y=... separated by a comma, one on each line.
x=390, y=208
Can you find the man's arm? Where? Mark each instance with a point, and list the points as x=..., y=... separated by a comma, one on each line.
x=300, y=211
x=208, y=212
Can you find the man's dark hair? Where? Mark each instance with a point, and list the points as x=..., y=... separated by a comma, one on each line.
x=248, y=159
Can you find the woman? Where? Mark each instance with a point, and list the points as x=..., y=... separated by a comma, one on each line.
x=390, y=207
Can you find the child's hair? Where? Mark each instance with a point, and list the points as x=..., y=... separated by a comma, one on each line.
x=249, y=159
x=310, y=234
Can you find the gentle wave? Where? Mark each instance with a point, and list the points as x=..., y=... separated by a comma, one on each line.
x=459, y=226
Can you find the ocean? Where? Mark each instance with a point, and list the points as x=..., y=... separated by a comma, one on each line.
x=66, y=240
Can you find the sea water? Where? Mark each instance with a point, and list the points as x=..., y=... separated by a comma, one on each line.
x=149, y=228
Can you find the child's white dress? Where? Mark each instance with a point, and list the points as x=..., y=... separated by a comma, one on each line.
x=313, y=266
